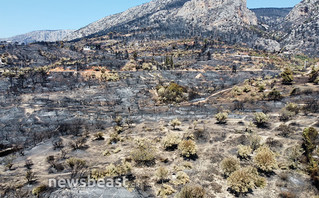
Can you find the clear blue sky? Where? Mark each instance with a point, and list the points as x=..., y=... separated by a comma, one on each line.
x=22, y=16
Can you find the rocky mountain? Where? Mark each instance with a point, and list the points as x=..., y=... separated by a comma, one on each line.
x=176, y=18
x=42, y=35
x=303, y=28
x=270, y=18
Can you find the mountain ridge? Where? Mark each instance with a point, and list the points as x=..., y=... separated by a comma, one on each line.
x=40, y=35
x=174, y=15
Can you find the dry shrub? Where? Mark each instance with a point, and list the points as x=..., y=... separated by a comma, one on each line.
x=285, y=131
x=171, y=142
x=175, y=123
x=244, y=152
x=230, y=165
x=99, y=136
x=286, y=115
x=192, y=191
x=265, y=159
x=287, y=195
x=78, y=143
x=181, y=178
x=261, y=119
x=293, y=107
x=165, y=190
x=112, y=170
x=245, y=179
x=188, y=148
x=162, y=174
x=221, y=118
x=144, y=153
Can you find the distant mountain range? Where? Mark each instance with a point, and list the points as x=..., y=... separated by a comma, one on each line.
x=175, y=18
x=273, y=29
x=42, y=35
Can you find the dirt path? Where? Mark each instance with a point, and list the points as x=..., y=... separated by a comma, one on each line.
x=213, y=95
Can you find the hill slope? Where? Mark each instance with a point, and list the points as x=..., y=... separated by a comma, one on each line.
x=42, y=35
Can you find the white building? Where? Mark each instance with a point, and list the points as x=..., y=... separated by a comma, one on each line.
x=87, y=48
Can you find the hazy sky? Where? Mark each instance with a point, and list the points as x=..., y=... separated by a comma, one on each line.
x=22, y=16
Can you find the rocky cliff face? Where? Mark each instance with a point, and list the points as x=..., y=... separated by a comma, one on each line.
x=181, y=17
x=303, y=28
x=271, y=18
x=43, y=35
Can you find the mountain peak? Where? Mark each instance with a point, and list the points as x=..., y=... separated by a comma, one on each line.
x=167, y=16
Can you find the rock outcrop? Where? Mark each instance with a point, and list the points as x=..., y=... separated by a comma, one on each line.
x=303, y=28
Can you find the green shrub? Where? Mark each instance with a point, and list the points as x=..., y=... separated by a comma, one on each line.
x=171, y=141
x=38, y=190
x=192, y=191
x=287, y=76
x=265, y=159
x=244, y=152
x=245, y=180
x=260, y=119
x=309, y=137
x=230, y=165
x=221, y=117
x=172, y=93
x=188, y=148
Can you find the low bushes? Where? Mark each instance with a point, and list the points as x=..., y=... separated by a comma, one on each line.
x=187, y=148
x=230, y=165
x=265, y=159
x=245, y=179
